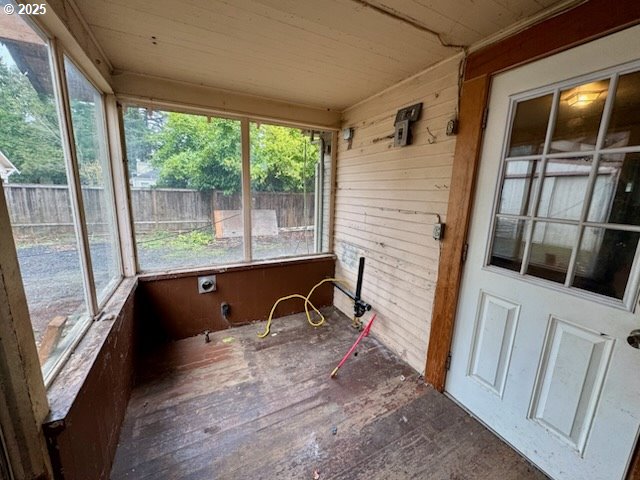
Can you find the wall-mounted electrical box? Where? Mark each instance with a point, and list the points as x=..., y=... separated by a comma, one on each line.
x=404, y=118
x=438, y=231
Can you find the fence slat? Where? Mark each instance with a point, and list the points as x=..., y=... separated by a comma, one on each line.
x=43, y=210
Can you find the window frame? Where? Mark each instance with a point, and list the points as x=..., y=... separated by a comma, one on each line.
x=108, y=177
x=632, y=290
x=126, y=101
x=94, y=306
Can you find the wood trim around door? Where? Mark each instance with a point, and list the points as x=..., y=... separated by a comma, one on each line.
x=465, y=164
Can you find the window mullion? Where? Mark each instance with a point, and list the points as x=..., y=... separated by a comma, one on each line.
x=246, y=188
x=593, y=176
x=75, y=189
x=538, y=191
x=122, y=194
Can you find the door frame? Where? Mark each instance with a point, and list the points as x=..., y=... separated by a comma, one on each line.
x=586, y=22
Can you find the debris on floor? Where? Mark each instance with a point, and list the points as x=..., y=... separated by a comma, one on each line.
x=316, y=475
x=228, y=340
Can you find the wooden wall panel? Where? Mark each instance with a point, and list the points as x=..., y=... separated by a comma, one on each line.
x=89, y=398
x=171, y=307
x=387, y=199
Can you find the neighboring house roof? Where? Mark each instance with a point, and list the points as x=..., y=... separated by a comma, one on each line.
x=6, y=167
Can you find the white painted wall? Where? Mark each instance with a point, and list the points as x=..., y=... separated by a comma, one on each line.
x=386, y=201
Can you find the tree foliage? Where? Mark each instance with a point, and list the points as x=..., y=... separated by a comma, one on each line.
x=188, y=151
x=193, y=151
x=282, y=159
x=29, y=136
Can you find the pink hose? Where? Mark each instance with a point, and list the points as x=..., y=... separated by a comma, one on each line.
x=364, y=333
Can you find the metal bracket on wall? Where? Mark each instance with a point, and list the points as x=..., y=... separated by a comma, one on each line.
x=404, y=119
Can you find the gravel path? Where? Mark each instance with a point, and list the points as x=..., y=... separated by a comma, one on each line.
x=53, y=283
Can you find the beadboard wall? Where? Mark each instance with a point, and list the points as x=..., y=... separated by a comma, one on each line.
x=387, y=200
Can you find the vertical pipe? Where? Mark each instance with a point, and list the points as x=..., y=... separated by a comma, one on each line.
x=360, y=275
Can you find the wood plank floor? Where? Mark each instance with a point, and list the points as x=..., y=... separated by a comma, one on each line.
x=241, y=407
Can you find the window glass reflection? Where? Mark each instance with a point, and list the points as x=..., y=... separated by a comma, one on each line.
x=604, y=261
x=579, y=114
x=624, y=126
x=551, y=247
x=530, y=126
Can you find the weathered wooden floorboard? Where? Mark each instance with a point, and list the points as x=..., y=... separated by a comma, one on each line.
x=242, y=407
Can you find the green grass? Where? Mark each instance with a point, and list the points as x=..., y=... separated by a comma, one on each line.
x=194, y=241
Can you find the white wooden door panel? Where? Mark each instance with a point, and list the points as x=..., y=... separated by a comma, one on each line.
x=545, y=366
x=492, y=342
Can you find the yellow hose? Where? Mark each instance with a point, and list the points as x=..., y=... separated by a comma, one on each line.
x=307, y=302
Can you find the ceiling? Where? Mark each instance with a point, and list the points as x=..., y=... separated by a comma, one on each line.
x=322, y=53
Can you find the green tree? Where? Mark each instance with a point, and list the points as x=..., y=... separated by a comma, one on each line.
x=141, y=126
x=29, y=135
x=282, y=159
x=195, y=152
x=192, y=151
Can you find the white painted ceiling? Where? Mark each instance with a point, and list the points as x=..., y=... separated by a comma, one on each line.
x=323, y=53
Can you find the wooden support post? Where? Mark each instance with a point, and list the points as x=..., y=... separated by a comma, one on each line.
x=22, y=396
x=246, y=188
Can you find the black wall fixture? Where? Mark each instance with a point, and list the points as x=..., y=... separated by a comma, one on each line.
x=404, y=119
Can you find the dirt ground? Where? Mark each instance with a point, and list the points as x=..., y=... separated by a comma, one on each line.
x=53, y=283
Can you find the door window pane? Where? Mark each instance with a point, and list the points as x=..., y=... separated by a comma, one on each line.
x=563, y=188
x=283, y=170
x=616, y=197
x=87, y=117
x=579, y=114
x=529, y=127
x=508, y=243
x=604, y=261
x=186, y=190
x=518, y=186
x=569, y=183
x=35, y=183
x=551, y=247
x=624, y=126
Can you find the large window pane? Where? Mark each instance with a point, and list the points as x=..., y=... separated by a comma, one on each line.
x=283, y=191
x=186, y=192
x=33, y=172
x=95, y=178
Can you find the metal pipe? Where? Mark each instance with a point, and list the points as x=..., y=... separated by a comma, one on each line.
x=344, y=290
x=360, y=275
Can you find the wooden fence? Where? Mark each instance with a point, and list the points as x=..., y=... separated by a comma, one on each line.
x=45, y=210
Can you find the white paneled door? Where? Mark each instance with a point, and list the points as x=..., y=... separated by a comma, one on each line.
x=544, y=351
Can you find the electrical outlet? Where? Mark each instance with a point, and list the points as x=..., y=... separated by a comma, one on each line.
x=438, y=231
x=207, y=284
